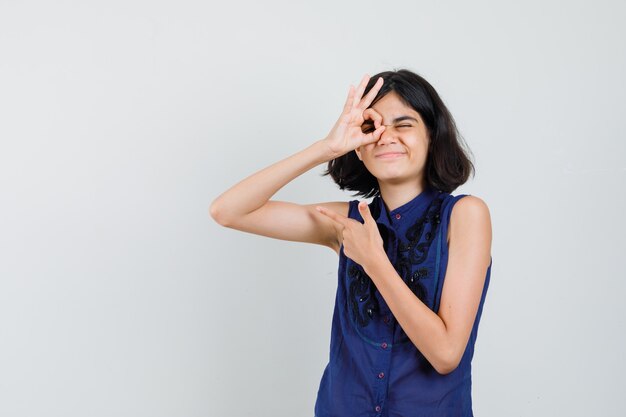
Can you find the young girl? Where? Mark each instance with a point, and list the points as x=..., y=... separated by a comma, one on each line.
x=413, y=271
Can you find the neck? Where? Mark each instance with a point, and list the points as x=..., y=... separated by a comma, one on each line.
x=395, y=195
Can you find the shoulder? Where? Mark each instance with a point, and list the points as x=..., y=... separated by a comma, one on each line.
x=463, y=210
x=340, y=207
x=469, y=205
x=469, y=216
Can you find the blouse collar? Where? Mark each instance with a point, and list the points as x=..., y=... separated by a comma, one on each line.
x=415, y=205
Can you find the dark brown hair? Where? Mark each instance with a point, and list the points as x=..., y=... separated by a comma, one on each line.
x=447, y=164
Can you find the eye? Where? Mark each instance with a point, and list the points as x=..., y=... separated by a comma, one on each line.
x=405, y=126
x=367, y=127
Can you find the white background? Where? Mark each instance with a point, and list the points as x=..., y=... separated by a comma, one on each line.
x=120, y=122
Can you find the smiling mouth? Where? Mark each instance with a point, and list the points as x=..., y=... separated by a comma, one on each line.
x=390, y=155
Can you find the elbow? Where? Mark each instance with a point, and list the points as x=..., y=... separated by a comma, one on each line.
x=445, y=369
x=218, y=215
x=447, y=364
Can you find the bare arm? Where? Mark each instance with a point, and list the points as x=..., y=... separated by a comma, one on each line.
x=247, y=207
x=442, y=338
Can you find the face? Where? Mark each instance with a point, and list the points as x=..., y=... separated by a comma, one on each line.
x=406, y=138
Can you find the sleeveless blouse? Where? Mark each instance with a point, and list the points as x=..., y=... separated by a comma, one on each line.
x=374, y=369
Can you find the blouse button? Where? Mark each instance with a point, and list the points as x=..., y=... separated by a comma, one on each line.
x=398, y=216
x=377, y=408
x=381, y=375
x=384, y=345
x=386, y=319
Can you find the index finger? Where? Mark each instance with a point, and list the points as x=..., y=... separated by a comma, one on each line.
x=373, y=115
x=334, y=216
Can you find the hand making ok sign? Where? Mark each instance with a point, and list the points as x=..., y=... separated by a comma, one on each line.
x=347, y=134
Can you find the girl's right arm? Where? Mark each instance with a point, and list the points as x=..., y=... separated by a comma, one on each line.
x=246, y=205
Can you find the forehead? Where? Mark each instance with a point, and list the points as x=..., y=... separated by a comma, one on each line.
x=391, y=106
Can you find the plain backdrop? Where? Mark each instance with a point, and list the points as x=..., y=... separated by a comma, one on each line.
x=120, y=122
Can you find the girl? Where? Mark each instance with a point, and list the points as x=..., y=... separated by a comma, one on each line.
x=408, y=302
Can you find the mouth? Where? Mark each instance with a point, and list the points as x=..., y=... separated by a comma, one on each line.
x=390, y=155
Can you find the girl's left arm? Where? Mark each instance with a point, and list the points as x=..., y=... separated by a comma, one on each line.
x=442, y=337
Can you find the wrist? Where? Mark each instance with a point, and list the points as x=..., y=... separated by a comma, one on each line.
x=325, y=152
x=375, y=261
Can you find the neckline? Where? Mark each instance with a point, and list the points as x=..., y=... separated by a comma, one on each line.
x=419, y=201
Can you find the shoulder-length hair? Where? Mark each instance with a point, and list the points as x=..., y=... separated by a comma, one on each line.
x=447, y=163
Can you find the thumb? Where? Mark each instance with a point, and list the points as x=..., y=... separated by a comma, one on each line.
x=365, y=213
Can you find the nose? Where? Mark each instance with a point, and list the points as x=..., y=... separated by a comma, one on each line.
x=388, y=135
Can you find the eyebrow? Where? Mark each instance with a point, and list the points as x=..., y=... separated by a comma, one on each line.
x=401, y=118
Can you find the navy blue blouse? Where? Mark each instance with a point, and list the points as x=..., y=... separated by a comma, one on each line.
x=374, y=369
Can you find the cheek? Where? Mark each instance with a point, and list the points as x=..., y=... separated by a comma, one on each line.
x=367, y=151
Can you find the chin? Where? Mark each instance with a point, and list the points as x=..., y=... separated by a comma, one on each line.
x=391, y=177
